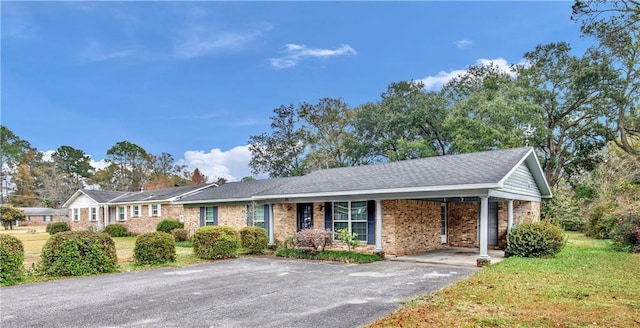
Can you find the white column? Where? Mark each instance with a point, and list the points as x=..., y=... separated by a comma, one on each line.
x=509, y=215
x=272, y=239
x=106, y=215
x=484, y=226
x=378, y=226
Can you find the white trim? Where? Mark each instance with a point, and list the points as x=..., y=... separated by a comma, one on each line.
x=123, y=212
x=378, y=232
x=74, y=211
x=484, y=227
x=91, y=209
x=509, y=215
x=512, y=195
x=151, y=210
x=210, y=201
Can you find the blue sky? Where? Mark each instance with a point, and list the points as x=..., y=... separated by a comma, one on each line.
x=196, y=79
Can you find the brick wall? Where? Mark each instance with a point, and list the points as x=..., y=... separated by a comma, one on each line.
x=233, y=215
x=145, y=223
x=412, y=226
x=284, y=221
x=462, y=224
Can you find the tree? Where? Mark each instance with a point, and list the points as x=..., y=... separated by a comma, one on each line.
x=568, y=92
x=74, y=163
x=220, y=181
x=133, y=163
x=9, y=215
x=616, y=26
x=164, y=173
x=198, y=178
x=279, y=153
x=12, y=151
x=248, y=178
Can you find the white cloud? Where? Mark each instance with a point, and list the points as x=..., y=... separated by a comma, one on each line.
x=46, y=155
x=232, y=164
x=96, y=52
x=463, y=43
x=294, y=53
x=202, y=40
x=437, y=81
x=97, y=165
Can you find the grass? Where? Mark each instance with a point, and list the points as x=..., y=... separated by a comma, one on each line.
x=587, y=284
x=340, y=256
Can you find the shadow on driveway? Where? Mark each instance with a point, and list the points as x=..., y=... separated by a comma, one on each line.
x=246, y=292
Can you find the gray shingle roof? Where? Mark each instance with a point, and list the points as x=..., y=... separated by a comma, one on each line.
x=157, y=194
x=102, y=196
x=464, y=169
x=242, y=190
x=43, y=211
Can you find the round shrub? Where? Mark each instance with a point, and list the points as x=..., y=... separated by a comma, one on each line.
x=11, y=257
x=154, y=248
x=254, y=239
x=54, y=228
x=180, y=234
x=117, y=230
x=600, y=222
x=216, y=242
x=77, y=253
x=167, y=225
x=626, y=234
x=535, y=240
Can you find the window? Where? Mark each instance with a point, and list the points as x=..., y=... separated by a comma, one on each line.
x=122, y=213
x=135, y=211
x=154, y=210
x=94, y=214
x=352, y=216
x=209, y=216
x=76, y=214
x=48, y=218
x=258, y=216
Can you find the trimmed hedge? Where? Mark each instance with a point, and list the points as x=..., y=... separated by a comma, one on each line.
x=11, y=258
x=77, y=253
x=254, y=239
x=216, y=242
x=117, y=230
x=167, y=225
x=54, y=228
x=337, y=256
x=180, y=234
x=541, y=239
x=154, y=248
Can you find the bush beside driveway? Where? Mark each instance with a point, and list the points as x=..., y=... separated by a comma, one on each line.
x=258, y=292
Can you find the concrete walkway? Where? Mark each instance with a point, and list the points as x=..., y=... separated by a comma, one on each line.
x=456, y=256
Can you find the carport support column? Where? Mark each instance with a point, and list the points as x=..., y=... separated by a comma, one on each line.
x=509, y=215
x=379, y=249
x=484, y=258
x=272, y=239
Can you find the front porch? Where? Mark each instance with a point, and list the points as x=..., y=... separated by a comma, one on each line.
x=451, y=256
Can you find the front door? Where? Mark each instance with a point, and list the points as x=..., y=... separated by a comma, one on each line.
x=305, y=216
x=492, y=233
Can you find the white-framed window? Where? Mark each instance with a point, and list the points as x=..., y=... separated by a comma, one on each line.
x=76, y=214
x=94, y=214
x=210, y=216
x=135, y=211
x=258, y=216
x=122, y=213
x=352, y=216
x=154, y=210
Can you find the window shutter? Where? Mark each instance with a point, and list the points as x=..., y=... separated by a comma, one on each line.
x=202, y=216
x=328, y=208
x=371, y=222
x=215, y=215
x=266, y=218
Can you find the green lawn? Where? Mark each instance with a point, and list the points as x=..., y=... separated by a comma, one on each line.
x=587, y=284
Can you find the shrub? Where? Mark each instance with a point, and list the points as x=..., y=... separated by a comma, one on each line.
x=316, y=239
x=572, y=223
x=54, y=228
x=180, y=234
x=11, y=257
x=167, y=225
x=600, y=222
x=626, y=234
x=117, y=230
x=351, y=239
x=254, y=239
x=338, y=256
x=216, y=242
x=76, y=253
x=535, y=240
x=154, y=248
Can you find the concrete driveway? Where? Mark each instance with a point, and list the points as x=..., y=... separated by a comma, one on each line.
x=246, y=292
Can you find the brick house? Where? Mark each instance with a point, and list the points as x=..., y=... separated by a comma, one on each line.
x=398, y=208
x=139, y=211
x=38, y=216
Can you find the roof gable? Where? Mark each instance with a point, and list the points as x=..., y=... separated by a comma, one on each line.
x=165, y=194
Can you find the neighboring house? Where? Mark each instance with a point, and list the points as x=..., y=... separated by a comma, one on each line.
x=37, y=216
x=139, y=211
x=397, y=208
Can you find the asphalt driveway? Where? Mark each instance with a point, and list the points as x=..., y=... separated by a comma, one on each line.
x=246, y=292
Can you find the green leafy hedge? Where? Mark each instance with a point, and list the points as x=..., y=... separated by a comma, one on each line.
x=77, y=253
x=154, y=248
x=626, y=234
x=169, y=224
x=254, y=239
x=338, y=256
x=54, y=228
x=117, y=230
x=11, y=258
x=180, y=234
x=539, y=239
x=216, y=242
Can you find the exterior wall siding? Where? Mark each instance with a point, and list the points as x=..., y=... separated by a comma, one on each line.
x=522, y=182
